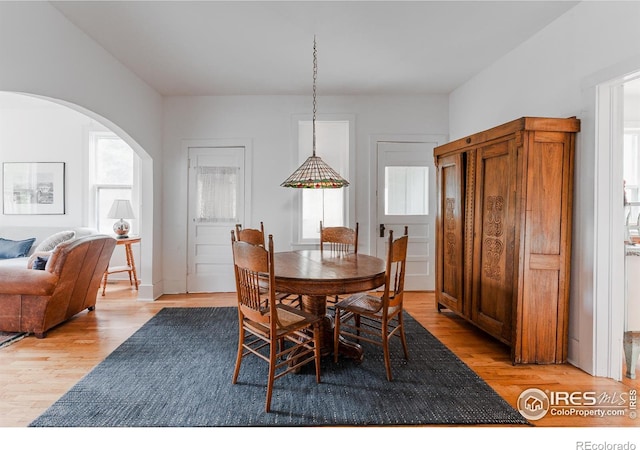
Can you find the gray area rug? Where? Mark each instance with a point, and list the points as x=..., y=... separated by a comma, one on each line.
x=8, y=338
x=176, y=372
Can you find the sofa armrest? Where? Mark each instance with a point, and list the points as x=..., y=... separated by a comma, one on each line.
x=16, y=280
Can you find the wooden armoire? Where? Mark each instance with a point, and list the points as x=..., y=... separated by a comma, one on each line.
x=503, y=238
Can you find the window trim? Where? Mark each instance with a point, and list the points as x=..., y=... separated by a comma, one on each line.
x=92, y=201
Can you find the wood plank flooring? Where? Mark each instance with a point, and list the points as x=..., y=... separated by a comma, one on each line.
x=36, y=372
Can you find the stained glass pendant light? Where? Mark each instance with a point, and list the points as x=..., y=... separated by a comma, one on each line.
x=314, y=173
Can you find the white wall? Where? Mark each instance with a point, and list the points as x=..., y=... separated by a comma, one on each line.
x=33, y=130
x=42, y=53
x=632, y=106
x=267, y=122
x=545, y=75
x=552, y=75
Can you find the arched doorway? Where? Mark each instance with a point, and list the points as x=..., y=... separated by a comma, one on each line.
x=14, y=106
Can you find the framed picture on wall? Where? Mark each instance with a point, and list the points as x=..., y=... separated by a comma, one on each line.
x=33, y=187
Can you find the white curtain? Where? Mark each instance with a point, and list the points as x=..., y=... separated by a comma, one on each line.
x=217, y=194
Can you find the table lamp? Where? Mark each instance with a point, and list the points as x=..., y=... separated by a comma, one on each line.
x=121, y=209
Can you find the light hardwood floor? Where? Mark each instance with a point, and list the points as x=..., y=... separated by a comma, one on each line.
x=36, y=372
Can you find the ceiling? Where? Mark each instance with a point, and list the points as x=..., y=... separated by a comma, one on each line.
x=266, y=47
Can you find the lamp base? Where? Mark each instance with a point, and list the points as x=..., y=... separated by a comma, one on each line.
x=121, y=229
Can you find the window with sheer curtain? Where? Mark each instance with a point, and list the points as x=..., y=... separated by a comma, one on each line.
x=216, y=194
x=328, y=205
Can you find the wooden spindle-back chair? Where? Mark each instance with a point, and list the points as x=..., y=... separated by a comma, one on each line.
x=340, y=239
x=285, y=337
x=377, y=318
x=253, y=236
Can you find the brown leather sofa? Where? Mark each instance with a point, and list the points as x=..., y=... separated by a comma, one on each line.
x=35, y=301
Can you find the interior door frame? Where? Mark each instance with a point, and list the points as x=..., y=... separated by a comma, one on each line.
x=596, y=346
x=248, y=181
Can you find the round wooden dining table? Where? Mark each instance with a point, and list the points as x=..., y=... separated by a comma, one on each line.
x=316, y=274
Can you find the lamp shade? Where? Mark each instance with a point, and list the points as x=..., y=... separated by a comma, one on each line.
x=314, y=173
x=121, y=209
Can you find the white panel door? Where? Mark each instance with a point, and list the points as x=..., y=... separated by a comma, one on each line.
x=216, y=203
x=406, y=197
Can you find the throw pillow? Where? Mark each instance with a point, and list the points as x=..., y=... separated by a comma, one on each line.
x=15, y=249
x=50, y=243
x=33, y=257
x=40, y=263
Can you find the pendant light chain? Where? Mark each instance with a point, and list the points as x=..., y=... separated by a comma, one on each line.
x=315, y=77
x=314, y=173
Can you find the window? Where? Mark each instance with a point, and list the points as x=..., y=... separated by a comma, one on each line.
x=113, y=171
x=406, y=191
x=328, y=205
x=217, y=194
x=632, y=164
x=631, y=168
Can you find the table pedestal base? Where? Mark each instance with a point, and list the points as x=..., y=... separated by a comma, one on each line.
x=318, y=305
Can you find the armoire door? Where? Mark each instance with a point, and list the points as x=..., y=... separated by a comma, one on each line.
x=494, y=246
x=546, y=254
x=450, y=233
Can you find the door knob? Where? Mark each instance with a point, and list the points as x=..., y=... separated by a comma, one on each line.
x=382, y=230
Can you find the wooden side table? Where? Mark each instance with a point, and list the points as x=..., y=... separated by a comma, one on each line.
x=131, y=264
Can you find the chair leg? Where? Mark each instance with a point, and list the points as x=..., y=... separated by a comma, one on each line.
x=316, y=349
x=272, y=373
x=336, y=334
x=236, y=371
x=385, y=347
x=104, y=282
x=403, y=337
x=281, y=345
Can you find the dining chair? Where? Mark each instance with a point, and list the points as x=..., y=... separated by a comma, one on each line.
x=377, y=318
x=285, y=337
x=338, y=239
x=251, y=235
x=256, y=236
x=342, y=239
